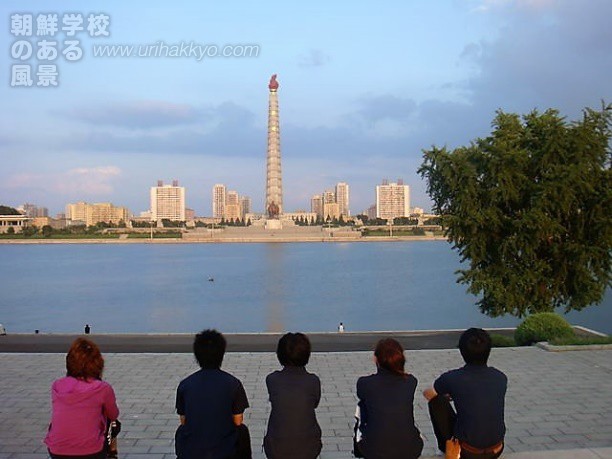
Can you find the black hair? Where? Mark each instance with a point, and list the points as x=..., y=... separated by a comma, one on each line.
x=209, y=348
x=475, y=346
x=293, y=350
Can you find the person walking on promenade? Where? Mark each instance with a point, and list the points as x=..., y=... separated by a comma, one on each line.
x=385, y=426
x=341, y=328
x=477, y=429
x=293, y=431
x=87, y=329
x=211, y=404
x=82, y=406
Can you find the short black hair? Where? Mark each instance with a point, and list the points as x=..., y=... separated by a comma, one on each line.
x=293, y=350
x=475, y=346
x=209, y=348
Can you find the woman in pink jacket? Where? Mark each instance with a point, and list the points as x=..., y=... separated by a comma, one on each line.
x=82, y=404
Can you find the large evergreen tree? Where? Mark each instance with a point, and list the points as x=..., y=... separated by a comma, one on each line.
x=529, y=208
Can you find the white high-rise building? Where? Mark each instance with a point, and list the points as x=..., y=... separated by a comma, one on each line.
x=168, y=201
x=392, y=200
x=218, y=200
x=342, y=198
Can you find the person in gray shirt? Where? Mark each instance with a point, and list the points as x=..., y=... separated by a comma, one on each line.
x=293, y=431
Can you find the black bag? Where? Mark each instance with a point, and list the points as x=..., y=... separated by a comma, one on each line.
x=356, y=451
x=113, y=429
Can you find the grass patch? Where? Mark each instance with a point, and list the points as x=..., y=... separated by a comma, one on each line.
x=581, y=340
x=155, y=235
x=502, y=340
x=40, y=237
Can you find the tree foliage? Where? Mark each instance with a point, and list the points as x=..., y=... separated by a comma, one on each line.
x=530, y=209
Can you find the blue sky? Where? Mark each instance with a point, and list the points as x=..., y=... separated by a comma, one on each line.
x=364, y=88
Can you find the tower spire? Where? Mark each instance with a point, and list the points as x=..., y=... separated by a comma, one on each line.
x=274, y=179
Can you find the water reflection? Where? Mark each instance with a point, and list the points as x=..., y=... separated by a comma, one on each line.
x=274, y=286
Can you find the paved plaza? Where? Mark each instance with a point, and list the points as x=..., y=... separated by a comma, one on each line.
x=557, y=401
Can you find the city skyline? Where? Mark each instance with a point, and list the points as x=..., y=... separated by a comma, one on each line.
x=356, y=107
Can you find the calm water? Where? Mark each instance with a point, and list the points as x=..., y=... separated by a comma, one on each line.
x=257, y=287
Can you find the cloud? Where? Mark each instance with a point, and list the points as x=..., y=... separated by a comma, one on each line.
x=145, y=114
x=559, y=59
x=314, y=58
x=77, y=182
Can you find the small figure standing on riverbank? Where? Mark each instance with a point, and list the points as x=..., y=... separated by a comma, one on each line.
x=341, y=328
x=87, y=329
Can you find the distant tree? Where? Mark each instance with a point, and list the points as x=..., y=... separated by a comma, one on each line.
x=248, y=222
x=10, y=230
x=47, y=231
x=28, y=231
x=364, y=218
x=530, y=209
x=405, y=221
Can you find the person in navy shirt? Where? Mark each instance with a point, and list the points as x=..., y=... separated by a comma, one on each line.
x=386, y=408
x=211, y=403
x=476, y=430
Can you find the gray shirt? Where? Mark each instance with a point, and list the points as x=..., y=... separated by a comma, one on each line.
x=293, y=430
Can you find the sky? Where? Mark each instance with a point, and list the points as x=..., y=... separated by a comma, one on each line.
x=364, y=87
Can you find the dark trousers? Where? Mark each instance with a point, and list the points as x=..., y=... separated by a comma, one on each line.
x=443, y=419
x=101, y=455
x=243, y=444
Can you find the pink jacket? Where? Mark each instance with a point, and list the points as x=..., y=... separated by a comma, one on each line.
x=79, y=413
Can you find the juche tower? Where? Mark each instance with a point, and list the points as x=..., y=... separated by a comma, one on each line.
x=274, y=178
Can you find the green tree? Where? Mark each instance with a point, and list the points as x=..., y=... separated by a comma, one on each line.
x=530, y=209
x=47, y=231
x=10, y=230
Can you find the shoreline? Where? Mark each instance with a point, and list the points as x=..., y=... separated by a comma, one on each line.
x=223, y=240
x=236, y=342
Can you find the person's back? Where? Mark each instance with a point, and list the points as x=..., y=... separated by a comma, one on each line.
x=81, y=405
x=293, y=430
x=386, y=405
x=478, y=393
x=210, y=403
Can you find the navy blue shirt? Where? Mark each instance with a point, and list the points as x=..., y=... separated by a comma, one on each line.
x=208, y=399
x=293, y=431
x=478, y=392
x=386, y=401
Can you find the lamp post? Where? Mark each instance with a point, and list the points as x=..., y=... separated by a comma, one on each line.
x=151, y=230
x=390, y=227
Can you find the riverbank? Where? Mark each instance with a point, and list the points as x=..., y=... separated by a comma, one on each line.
x=236, y=342
x=272, y=238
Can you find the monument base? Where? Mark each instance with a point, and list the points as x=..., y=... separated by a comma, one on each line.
x=274, y=225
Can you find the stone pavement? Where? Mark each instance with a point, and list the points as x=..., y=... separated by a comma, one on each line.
x=556, y=402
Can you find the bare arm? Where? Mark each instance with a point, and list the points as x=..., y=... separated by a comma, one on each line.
x=238, y=418
x=430, y=393
x=182, y=419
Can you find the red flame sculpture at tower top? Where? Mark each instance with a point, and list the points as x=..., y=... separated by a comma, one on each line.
x=273, y=86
